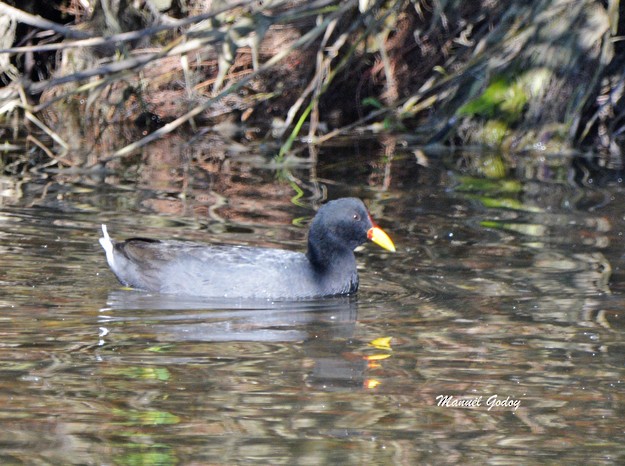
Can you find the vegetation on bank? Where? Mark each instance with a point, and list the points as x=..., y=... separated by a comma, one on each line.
x=91, y=81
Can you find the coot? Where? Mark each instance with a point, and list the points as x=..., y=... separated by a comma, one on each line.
x=328, y=268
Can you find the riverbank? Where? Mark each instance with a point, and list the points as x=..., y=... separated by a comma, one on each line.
x=86, y=88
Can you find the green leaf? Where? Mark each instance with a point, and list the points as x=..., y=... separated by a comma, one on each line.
x=372, y=102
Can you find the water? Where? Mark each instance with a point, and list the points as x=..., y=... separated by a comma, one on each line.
x=505, y=295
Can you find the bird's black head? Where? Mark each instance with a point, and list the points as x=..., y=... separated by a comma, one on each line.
x=339, y=227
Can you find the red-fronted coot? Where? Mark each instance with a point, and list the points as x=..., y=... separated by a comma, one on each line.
x=328, y=268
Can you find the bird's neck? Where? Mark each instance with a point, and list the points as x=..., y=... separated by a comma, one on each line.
x=328, y=257
x=333, y=265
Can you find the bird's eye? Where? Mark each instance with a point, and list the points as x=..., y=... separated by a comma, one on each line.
x=356, y=217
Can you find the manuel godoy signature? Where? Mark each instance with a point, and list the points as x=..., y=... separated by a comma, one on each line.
x=493, y=401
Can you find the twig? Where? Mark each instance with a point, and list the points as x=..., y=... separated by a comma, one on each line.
x=40, y=22
x=355, y=124
x=111, y=68
x=47, y=130
x=55, y=159
x=88, y=40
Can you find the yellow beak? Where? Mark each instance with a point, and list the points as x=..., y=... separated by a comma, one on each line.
x=379, y=237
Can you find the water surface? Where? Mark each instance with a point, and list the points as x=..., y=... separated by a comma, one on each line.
x=505, y=296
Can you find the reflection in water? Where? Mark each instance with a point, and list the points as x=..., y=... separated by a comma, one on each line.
x=520, y=299
x=317, y=325
x=243, y=320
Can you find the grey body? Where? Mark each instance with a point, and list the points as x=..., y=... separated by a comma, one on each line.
x=226, y=271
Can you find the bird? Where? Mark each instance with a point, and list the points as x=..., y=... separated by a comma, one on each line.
x=327, y=268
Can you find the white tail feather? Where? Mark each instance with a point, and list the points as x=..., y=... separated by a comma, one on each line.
x=107, y=244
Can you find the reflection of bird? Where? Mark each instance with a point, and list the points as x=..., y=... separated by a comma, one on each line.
x=328, y=267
